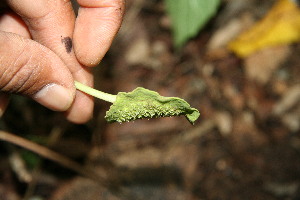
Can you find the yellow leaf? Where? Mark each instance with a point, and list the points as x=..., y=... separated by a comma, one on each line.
x=280, y=26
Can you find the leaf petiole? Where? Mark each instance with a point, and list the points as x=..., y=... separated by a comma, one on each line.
x=95, y=93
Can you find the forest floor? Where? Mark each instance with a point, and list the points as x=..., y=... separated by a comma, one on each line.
x=245, y=145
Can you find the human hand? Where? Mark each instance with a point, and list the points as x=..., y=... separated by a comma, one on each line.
x=43, y=49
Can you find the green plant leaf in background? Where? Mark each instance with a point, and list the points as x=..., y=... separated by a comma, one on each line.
x=189, y=16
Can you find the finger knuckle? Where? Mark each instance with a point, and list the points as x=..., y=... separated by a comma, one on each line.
x=22, y=74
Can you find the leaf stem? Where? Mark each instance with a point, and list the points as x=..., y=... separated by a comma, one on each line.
x=95, y=93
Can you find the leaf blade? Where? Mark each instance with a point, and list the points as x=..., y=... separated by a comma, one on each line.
x=143, y=103
x=189, y=16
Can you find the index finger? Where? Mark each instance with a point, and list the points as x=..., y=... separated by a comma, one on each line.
x=97, y=24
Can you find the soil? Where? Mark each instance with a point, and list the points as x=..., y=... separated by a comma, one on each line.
x=245, y=145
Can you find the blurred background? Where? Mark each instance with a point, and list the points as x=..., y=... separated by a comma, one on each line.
x=240, y=69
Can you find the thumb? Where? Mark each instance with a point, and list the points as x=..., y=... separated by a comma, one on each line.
x=30, y=69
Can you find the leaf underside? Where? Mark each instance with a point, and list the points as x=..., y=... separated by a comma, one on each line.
x=143, y=103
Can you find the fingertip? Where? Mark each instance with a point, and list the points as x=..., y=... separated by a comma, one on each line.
x=81, y=110
x=94, y=32
x=82, y=107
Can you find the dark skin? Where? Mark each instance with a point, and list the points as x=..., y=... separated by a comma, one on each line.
x=44, y=48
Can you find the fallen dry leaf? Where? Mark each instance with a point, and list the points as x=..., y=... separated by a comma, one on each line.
x=280, y=26
x=261, y=65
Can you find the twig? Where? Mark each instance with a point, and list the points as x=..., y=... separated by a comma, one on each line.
x=51, y=155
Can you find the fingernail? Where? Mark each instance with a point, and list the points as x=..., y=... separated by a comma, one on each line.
x=55, y=97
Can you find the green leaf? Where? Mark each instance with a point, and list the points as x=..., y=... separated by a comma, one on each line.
x=189, y=16
x=144, y=103
x=31, y=159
